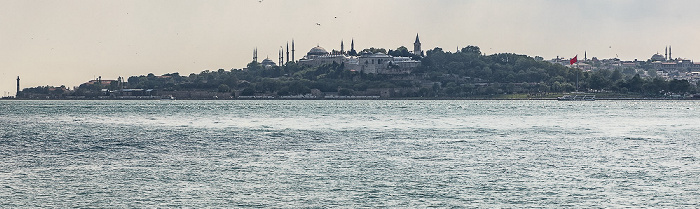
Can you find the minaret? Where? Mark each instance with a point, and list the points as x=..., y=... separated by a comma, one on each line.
x=17, y=94
x=255, y=55
x=280, y=58
x=342, y=47
x=666, y=53
x=416, y=46
x=585, y=57
x=287, y=51
x=293, y=60
x=352, y=45
x=670, y=57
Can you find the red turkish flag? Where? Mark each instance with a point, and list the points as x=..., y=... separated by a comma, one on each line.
x=573, y=60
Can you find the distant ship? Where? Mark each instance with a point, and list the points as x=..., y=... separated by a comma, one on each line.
x=168, y=97
x=585, y=97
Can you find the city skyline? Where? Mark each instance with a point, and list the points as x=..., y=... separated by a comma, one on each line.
x=70, y=42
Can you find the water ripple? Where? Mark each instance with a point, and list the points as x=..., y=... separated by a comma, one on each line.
x=292, y=154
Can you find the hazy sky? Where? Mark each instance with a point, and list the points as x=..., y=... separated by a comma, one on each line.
x=69, y=42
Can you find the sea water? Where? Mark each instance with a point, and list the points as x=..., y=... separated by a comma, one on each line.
x=377, y=153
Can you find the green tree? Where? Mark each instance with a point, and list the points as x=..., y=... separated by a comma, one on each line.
x=248, y=92
x=599, y=81
x=224, y=88
x=402, y=51
x=635, y=84
x=374, y=50
x=254, y=66
x=679, y=86
x=471, y=50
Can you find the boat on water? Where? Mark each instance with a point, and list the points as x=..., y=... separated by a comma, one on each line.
x=585, y=97
x=167, y=97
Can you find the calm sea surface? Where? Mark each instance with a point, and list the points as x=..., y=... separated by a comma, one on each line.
x=352, y=154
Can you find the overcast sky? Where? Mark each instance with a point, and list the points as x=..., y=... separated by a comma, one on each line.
x=69, y=42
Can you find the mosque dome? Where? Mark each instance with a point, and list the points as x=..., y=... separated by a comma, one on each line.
x=318, y=51
x=268, y=62
x=657, y=57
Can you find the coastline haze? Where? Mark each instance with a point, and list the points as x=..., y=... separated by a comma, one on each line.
x=70, y=42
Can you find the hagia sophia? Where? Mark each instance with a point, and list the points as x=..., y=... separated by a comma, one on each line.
x=366, y=62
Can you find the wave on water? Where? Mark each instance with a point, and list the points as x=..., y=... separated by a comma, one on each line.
x=411, y=154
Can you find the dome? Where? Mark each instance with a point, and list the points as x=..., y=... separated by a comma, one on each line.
x=379, y=54
x=657, y=57
x=268, y=61
x=317, y=51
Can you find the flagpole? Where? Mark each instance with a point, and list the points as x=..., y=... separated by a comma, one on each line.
x=579, y=69
x=571, y=62
x=577, y=78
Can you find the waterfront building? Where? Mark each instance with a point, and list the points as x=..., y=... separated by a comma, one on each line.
x=374, y=63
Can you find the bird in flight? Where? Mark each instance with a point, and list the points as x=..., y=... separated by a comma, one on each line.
x=319, y=24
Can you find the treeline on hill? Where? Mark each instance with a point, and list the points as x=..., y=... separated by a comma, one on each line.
x=291, y=79
x=465, y=73
x=512, y=73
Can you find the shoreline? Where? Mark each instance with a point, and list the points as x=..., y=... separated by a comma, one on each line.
x=331, y=99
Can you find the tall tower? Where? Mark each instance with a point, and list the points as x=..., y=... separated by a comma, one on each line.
x=255, y=55
x=416, y=46
x=293, y=60
x=352, y=45
x=666, y=53
x=352, y=51
x=17, y=94
x=670, y=57
x=280, y=58
x=287, y=51
x=342, y=47
x=119, y=82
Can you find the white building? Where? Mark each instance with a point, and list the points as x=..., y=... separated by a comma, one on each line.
x=319, y=56
x=377, y=63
